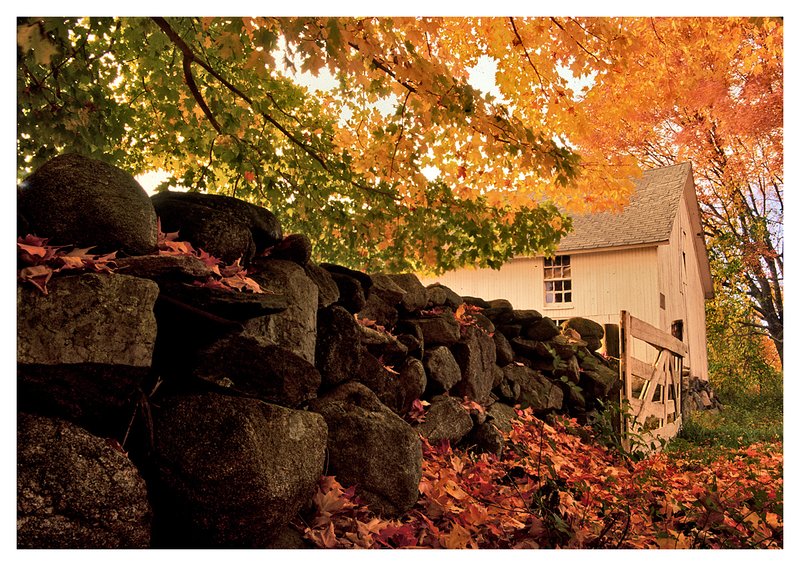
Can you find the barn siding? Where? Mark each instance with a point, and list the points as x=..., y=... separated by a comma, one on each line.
x=682, y=285
x=604, y=283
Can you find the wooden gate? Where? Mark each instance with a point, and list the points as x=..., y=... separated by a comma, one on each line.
x=652, y=390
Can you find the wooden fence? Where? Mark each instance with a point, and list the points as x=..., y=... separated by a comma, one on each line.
x=652, y=390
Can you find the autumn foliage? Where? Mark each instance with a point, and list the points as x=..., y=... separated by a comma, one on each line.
x=38, y=261
x=554, y=487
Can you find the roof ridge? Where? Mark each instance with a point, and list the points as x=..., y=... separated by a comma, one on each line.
x=647, y=218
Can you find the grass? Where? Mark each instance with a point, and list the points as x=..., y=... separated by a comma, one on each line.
x=743, y=420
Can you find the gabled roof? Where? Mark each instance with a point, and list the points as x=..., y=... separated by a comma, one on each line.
x=647, y=219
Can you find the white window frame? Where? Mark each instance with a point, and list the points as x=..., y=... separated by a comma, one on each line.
x=557, y=279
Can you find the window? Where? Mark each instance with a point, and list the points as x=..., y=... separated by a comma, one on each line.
x=557, y=280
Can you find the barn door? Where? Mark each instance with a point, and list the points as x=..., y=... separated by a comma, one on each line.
x=652, y=390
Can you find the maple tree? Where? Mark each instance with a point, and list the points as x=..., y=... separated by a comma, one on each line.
x=710, y=91
x=213, y=101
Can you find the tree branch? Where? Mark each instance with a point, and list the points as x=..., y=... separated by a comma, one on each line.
x=528, y=57
x=400, y=133
x=578, y=43
x=189, y=55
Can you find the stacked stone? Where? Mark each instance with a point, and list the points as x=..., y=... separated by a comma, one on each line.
x=232, y=405
x=698, y=395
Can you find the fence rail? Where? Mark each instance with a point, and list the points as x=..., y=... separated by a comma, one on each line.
x=652, y=390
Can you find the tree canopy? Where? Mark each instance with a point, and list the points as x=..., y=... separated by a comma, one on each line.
x=213, y=101
x=714, y=96
x=404, y=163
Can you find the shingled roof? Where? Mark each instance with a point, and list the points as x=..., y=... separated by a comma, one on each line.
x=647, y=219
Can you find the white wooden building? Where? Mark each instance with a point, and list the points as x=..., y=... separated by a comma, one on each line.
x=650, y=260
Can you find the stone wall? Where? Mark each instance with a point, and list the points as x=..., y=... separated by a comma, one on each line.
x=159, y=408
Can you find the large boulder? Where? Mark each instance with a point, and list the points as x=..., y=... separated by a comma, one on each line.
x=354, y=286
x=76, y=200
x=415, y=297
x=505, y=353
x=439, y=295
x=476, y=356
x=159, y=267
x=328, y=291
x=378, y=310
x=225, y=303
x=500, y=311
x=352, y=296
x=372, y=448
x=385, y=287
x=75, y=490
x=296, y=327
x=259, y=369
x=85, y=347
x=338, y=349
x=294, y=247
x=589, y=331
x=486, y=437
x=442, y=369
x=501, y=415
x=232, y=471
x=535, y=390
x=382, y=344
x=410, y=335
x=396, y=387
x=597, y=378
x=225, y=227
x=542, y=330
x=413, y=382
x=445, y=419
x=439, y=330
x=88, y=318
x=525, y=317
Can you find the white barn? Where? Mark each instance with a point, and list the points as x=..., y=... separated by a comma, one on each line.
x=650, y=259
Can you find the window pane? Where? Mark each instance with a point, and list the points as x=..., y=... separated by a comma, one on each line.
x=557, y=280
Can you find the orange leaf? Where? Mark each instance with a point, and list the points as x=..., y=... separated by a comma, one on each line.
x=38, y=275
x=36, y=251
x=71, y=262
x=458, y=537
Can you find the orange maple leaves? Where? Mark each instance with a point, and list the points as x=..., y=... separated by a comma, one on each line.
x=553, y=489
x=229, y=277
x=38, y=262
